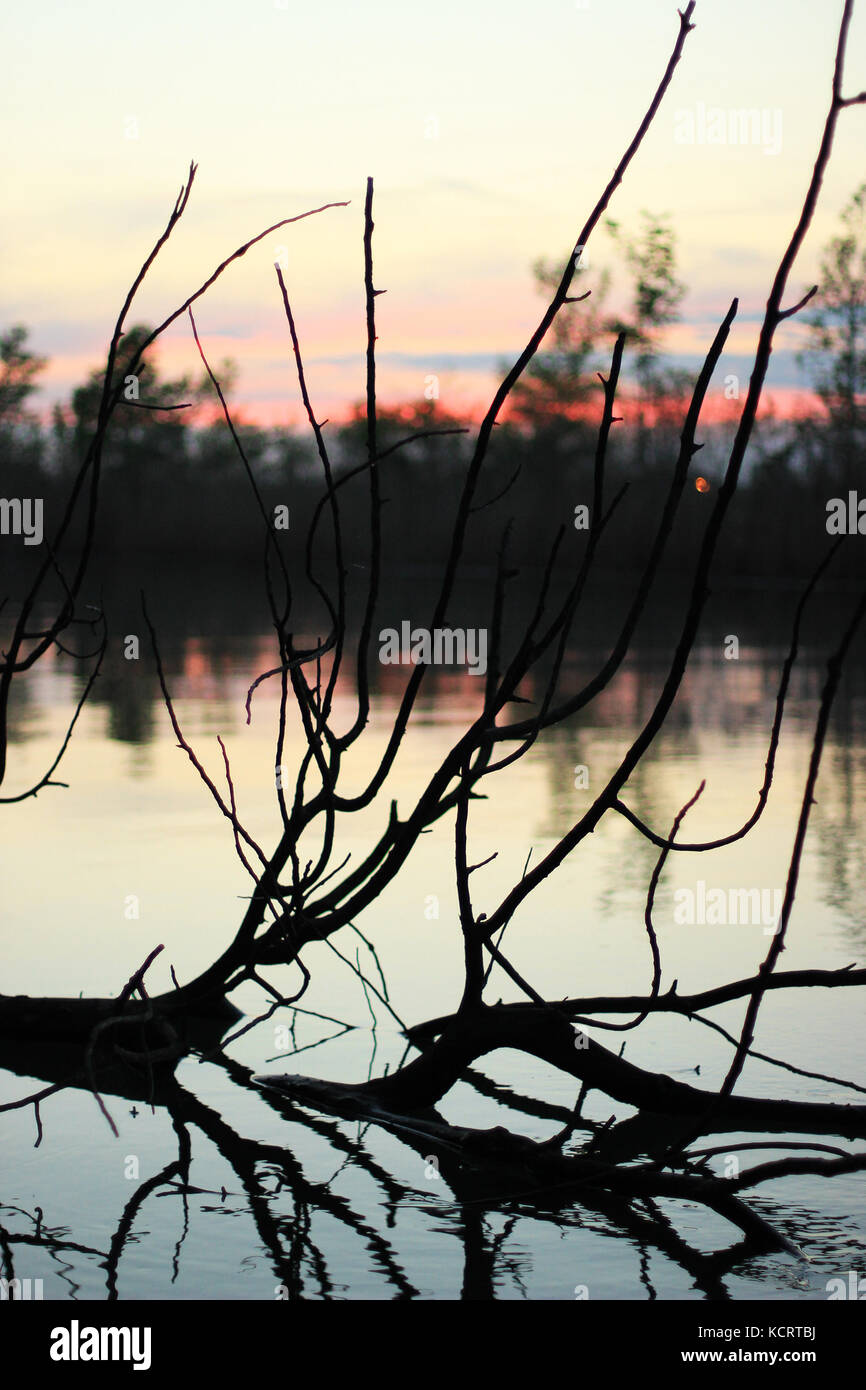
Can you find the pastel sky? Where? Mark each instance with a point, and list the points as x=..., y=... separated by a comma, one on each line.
x=490, y=129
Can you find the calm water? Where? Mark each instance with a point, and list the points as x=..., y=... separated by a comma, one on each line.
x=298, y=1200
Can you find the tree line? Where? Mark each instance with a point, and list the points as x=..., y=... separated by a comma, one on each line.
x=172, y=482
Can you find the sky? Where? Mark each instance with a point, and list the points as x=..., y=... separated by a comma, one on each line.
x=489, y=129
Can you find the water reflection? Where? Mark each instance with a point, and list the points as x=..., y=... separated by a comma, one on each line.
x=313, y=1226
x=340, y=1208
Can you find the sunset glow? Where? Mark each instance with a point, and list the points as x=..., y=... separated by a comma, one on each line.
x=482, y=164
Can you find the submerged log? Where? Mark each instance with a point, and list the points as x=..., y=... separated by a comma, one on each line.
x=545, y=1034
x=63, y=1019
x=534, y=1167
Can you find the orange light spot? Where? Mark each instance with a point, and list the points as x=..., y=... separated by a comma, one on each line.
x=702, y=485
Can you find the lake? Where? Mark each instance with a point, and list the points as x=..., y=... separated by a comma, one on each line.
x=287, y=1201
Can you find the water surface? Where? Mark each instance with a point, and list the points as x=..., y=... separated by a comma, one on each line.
x=300, y=1203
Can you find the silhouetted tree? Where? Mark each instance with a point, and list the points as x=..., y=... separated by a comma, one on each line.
x=835, y=357
x=19, y=368
x=305, y=890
